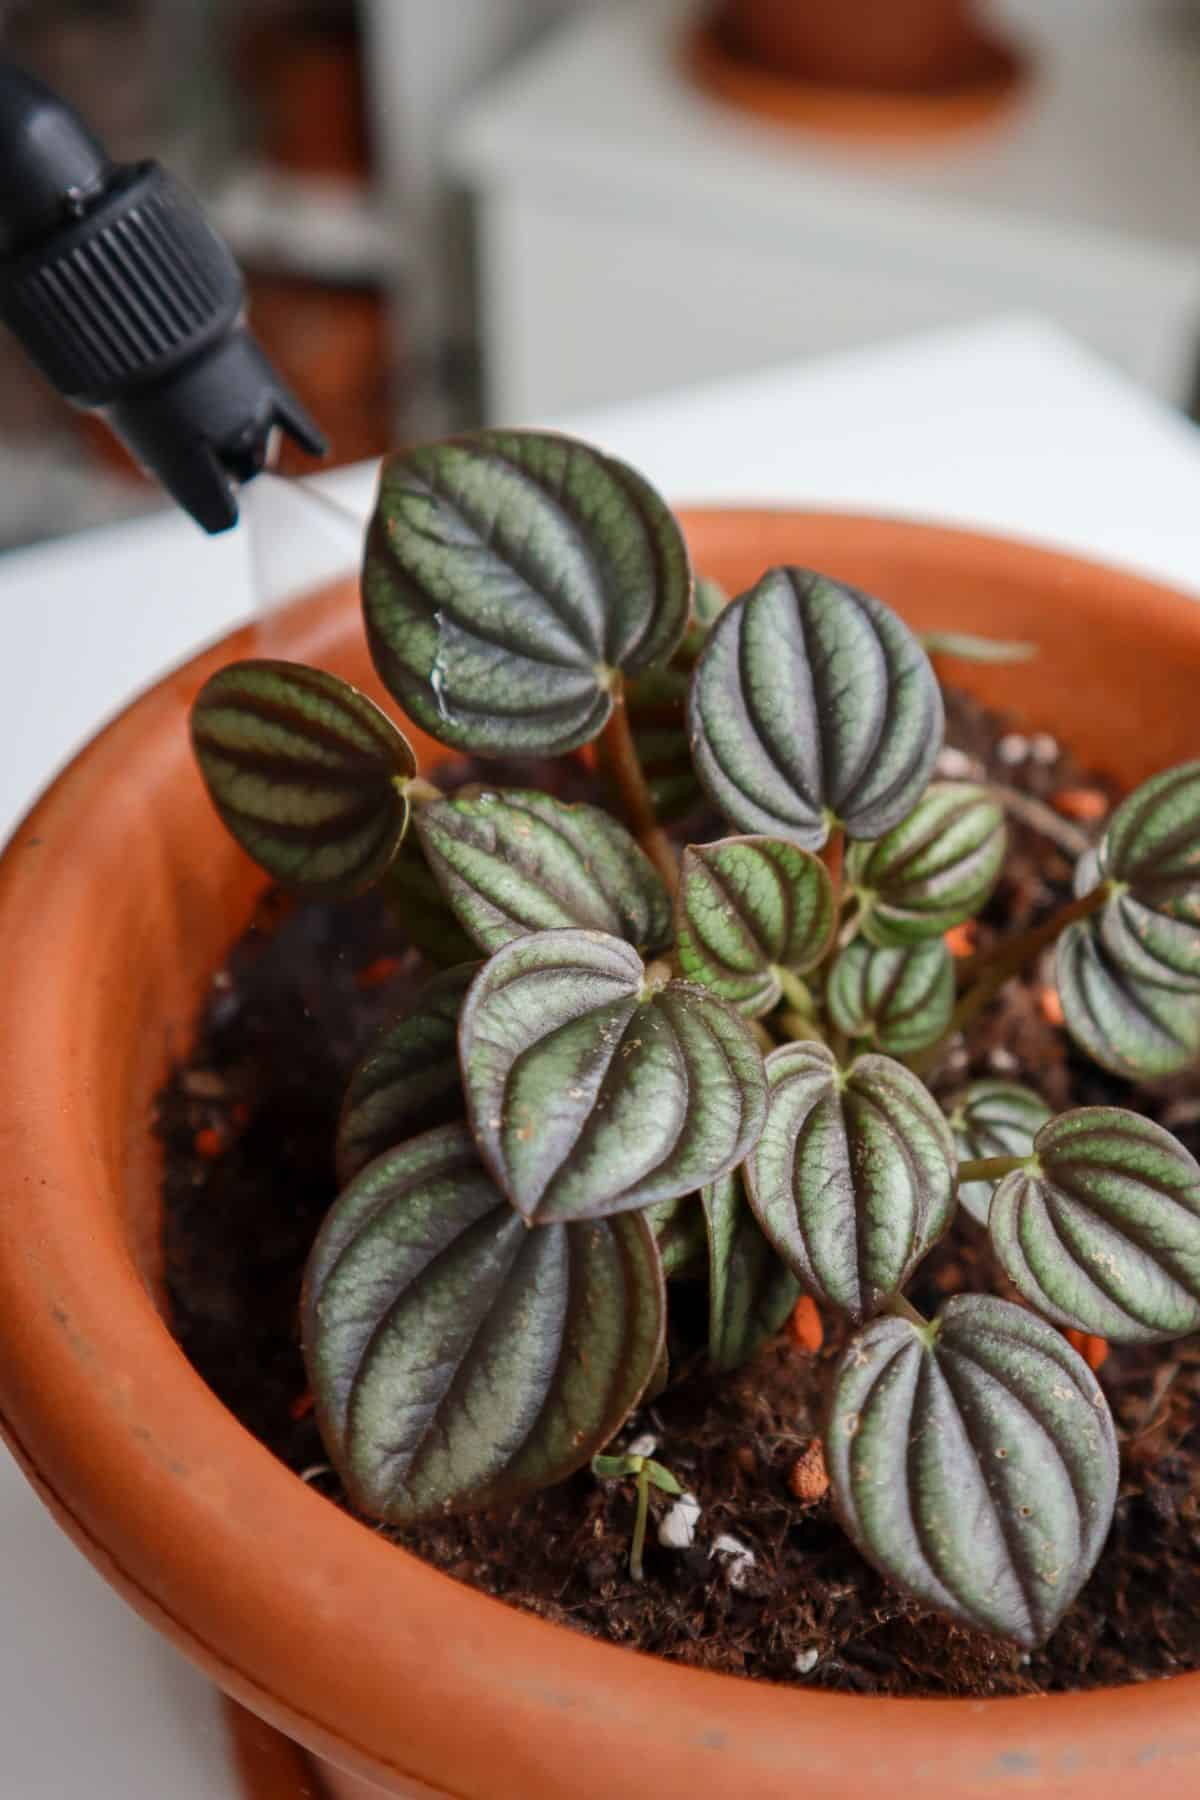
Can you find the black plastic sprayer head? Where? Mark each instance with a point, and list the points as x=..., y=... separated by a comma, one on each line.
x=130, y=304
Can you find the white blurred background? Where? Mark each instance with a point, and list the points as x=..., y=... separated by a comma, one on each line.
x=456, y=210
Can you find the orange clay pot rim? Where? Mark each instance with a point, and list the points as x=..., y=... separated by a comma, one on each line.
x=570, y=1685
x=851, y=112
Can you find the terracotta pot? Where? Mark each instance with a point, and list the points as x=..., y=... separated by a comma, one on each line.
x=118, y=896
x=857, y=67
x=903, y=46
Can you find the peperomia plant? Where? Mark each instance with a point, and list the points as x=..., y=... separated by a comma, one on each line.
x=644, y=1060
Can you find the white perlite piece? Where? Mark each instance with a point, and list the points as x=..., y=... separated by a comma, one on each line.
x=953, y=764
x=807, y=1660
x=1012, y=749
x=739, y=1558
x=677, y=1528
x=645, y=1445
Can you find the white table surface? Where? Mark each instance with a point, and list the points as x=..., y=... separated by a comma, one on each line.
x=1008, y=426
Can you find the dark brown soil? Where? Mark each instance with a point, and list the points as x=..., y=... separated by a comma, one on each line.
x=248, y=1128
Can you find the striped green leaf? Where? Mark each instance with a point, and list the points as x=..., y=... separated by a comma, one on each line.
x=812, y=706
x=1134, y=1027
x=457, y=1359
x=750, y=1290
x=993, y=1118
x=975, y=1463
x=1102, y=1230
x=1150, y=927
x=408, y=1081
x=934, y=869
x=852, y=1177
x=595, y=1084
x=514, y=862
x=749, y=908
x=900, y=998
x=510, y=578
x=307, y=774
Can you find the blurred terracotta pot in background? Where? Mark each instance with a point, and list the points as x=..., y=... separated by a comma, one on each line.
x=896, y=46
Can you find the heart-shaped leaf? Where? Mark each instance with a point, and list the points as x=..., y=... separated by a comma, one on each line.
x=975, y=1463
x=901, y=997
x=934, y=869
x=515, y=862
x=1150, y=926
x=1136, y=1028
x=993, y=1118
x=408, y=1080
x=681, y=1235
x=852, y=1179
x=812, y=705
x=749, y=907
x=307, y=774
x=510, y=578
x=458, y=1359
x=1102, y=1230
x=750, y=1291
x=596, y=1085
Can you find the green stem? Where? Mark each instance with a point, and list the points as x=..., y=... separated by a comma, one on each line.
x=419, y=791
x=799, y=1027
x=1001, y=964
x=639, y=1523
x=900, y=1308
x=623, y=760
x=794, y=991
x=989, y=1168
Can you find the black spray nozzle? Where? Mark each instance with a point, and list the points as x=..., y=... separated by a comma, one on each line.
x=128, y=301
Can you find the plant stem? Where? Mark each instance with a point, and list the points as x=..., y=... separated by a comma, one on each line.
x=639, y=1523
x=901, y=1308
x=640, y=816
x=999, y=965
x=1011, y=954
x=833, y=856
x=989, y=1168
x=794, y=991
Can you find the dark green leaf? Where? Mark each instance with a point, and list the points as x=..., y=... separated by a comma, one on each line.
x=408, y=1081
x=1134, y=1027
x=679, y=1231
x=974, y=1463
x=934, y=869
x=813, y=705
x=965, y=646
x=307, y=774
x=596, y=1085
x=1102, y=1230
x=514, y=862
x=510, y=576
x=1151, y=853
x=749, y=907
x=750, y=1291
x=458, y=1359
x=901, y=998
x=993, y=1118
x=852, y=1178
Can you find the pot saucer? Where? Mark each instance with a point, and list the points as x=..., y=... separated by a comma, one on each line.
x=864, y=114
